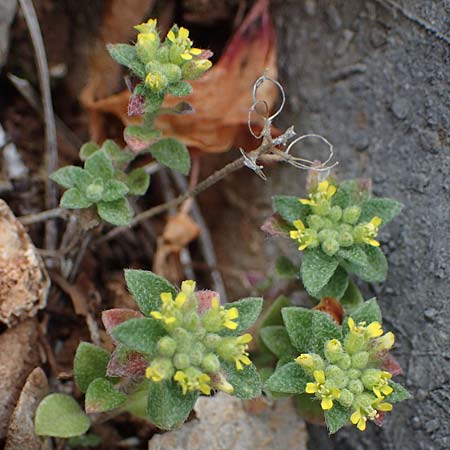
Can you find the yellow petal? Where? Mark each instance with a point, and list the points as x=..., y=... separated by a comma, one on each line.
x=362, y=424
x=246, y=360
x=195, y=51
x=180, y=300
x=294, y=234
x=373, y=242
x=171, y=36
x=302, y=247
x=239, y=366
x=319, y=376
x=335, y=392
x=351, y=323
x=354, y=418
x=156, y=315
x=386, y=390
x=169, y=320
x=179, y=375
x=232, y=313
x=205, y=389
x=230, y=325
x=166, y=297
x=183, y=33
x=331, y=191
x=311, y=388
x=374, y=329
x=323, y=186
x=299, y=225
x=384, y=407
x=244, y=339
x=215, y=303
x=305, y=201
x=376, y=221
x=326, y=404
x=186, y=56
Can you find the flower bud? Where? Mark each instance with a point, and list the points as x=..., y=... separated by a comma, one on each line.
x=146, y=46
x=315, y=222
x=210, y=363
x=321, y=208
x=336, y=376
x=351, y=214
x=327, y=234
x=345, y=239
x=355, y=386
x=370, y=377
x=181, y=361
x=156, y=81
x=346, y=398
x=310, y=362
x=212, y=341
x=335, y=213
x=160, y=369
x=383, y=343
x=195, y=68
x=354, y=374
x=173, y=74
x=360, y=360
x=167, y=346
x=219, y=382
x=191, y=321
x=330, y=247
x=333, y=350
x=344, y=362
x=183, y=338
x=197, y=353
x=354, y=342
x=94, y=191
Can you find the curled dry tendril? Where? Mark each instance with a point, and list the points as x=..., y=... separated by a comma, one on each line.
x=286, y=141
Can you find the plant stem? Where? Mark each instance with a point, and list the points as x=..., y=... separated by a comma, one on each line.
x=43, y=216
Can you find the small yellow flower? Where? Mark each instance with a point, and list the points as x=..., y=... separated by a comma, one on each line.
x=227, y=315
x=305, y=236
x=193, y=381
x=170, y=310
x=360, y=416
x=241, y=356
x=373, y=330
x=367, y=232
x=156, y=81
x=327, y=395
x=305, y=360
x=185, y=44
x=219, y=382
x=146, y=27
x=324, y=191
x=188, y=287
x=384, y=343
x=154, y=374
x=381, y=387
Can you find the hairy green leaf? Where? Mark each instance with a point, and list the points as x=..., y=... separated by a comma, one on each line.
x=374, y=270
x=180, y=89
x=385, y=208
x=336, y=417
x=173, y=154
x=73, y=198
x=368, y=312
x=167, y=407
x=273, y=314
x=285, y=268
x=59, y=415
x=316, y=270
x=90, y=362
x=309, y=329
x=336, y=287
x=114, y=190
x=246, y=382
x=399, y=394
x=289, y=378
x=118, y=212
x=290, y=208
x=101, y=396
x=277, y=340
x=71, y=176
x=146, y=288
x=352, y=297
x=141, y=335
x=126, y=55
x=87, y=150
x=138, y=181
x=249, y=310
x=99, y=166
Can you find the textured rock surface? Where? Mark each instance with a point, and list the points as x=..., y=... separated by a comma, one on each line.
x=21, y=425
x=24, y=282
x=375, y=83
x=18, y=357
x=227, y=423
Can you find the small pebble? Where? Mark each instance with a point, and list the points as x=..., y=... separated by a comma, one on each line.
x=430, y=313
x=416, y=423
x=400, y=108
x=421, y=395
x=432, y=425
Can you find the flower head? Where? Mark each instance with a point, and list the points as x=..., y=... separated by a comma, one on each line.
x=324, y=191
x=381, y=387
x=218, y=317
x=171, y=308
x=368, y=409
x=147, y=27
x=179, y=39
x=367, y=232
x=192, y=380
x=319, y=388
x=371, y=331
x=235, y=349
x=306, y=237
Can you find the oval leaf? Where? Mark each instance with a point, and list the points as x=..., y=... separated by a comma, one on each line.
x=90, y=362
x=289, y=378
x=101, y=396
x=173, y=154
x=246, y=382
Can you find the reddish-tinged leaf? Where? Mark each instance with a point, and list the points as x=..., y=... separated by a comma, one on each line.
x=126, y=363
x=275, y=225
x=204, y=299
x=113, y=317
x=379, y=418
x=136, y=105
x=390, y=364
x=332, y=307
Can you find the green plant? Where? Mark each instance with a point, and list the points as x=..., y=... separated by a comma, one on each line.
x=336, y=229
x=180, y=345
x=161, y=68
